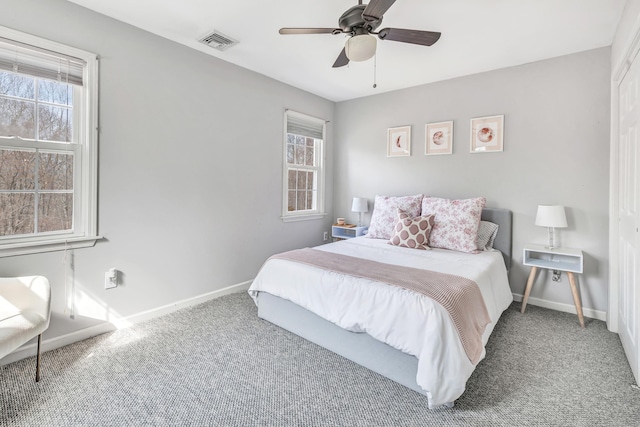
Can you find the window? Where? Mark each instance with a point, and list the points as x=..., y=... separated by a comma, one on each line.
x=48, y=145
x=303, y=195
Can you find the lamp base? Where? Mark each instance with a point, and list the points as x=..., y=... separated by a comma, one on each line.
x=552, y=239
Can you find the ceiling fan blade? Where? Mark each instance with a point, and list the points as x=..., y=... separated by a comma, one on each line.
x=425, y=38
x=342, y=59
x=310, y=30
x=375, y=9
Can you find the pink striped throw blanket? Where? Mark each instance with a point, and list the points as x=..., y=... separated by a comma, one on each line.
x=460, y=296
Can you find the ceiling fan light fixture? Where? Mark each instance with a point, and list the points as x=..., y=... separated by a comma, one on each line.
x=360, y=47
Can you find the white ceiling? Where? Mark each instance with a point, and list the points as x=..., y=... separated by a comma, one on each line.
x=477, y=36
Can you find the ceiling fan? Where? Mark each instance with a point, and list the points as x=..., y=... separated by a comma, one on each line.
x=360, y=22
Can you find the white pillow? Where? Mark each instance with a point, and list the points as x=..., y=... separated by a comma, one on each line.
x=456, y=223
x=385, y=213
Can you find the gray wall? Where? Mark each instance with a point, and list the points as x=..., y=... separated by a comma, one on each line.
x=190, y=169
x=556, y=151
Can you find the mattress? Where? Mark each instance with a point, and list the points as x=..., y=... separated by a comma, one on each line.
x=404, y=320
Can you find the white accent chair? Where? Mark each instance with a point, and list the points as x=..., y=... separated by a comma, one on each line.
x=25, y=308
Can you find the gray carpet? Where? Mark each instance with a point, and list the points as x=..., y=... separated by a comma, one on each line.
x=218, y=364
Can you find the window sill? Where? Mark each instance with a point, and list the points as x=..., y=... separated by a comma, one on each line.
x=27, y=248
x=302, y=217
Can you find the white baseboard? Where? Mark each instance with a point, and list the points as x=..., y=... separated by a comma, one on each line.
x=567, y=308
x=29, y=350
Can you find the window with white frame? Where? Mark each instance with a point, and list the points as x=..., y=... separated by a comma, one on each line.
x=48, y=145
x=303, y=195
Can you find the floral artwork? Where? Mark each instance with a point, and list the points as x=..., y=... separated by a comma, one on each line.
x=438, y=138
x=399, y=141
x=487, y=134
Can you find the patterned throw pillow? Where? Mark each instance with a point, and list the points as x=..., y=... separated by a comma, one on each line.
x=412, y=232
x=486, y=235
x=456, y=223
x=385, y=213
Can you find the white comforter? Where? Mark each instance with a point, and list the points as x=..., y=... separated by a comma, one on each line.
x=407, y=321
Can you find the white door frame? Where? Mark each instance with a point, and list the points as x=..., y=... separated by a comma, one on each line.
x=618, y=72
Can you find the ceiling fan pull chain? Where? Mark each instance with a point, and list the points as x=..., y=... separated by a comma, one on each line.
x=375, y=62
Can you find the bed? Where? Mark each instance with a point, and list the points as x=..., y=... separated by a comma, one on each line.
x=397, y=333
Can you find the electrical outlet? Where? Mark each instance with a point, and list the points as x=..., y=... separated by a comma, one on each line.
x=325, y=236
x=111, y=278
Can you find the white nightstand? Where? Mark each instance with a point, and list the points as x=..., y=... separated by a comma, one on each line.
x=561, y=259
x=347, y=231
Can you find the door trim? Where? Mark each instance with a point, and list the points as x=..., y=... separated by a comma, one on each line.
x=617, y=75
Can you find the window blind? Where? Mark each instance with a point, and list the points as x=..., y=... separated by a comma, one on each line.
x=33, y=61
x=304, y=125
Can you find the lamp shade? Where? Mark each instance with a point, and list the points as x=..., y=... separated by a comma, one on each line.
x=551, y=216
x=360, y=47
x=359, y=205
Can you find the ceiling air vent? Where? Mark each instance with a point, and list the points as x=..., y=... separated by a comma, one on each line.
x=217, y=40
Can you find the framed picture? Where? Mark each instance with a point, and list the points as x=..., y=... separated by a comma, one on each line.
x=438, y=138
x=399, y=141
x=487, y=134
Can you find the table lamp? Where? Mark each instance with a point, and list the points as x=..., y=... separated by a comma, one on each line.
x=552, y=217
x=359, y=205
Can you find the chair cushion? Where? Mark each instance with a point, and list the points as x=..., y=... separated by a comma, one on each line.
x=25, y=307
x=18, y=329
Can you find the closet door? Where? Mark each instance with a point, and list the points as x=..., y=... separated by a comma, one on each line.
x=629, y=216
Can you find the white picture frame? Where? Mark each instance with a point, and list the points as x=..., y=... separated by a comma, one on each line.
x=487, y=134
x=399, y=141
x=438, y=138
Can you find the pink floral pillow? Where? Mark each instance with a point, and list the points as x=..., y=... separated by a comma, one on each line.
x=456, y=223
x=385, y=213
x=412, y=232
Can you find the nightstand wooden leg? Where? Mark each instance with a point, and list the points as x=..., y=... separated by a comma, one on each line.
x=576, y=297
x=532, y=278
